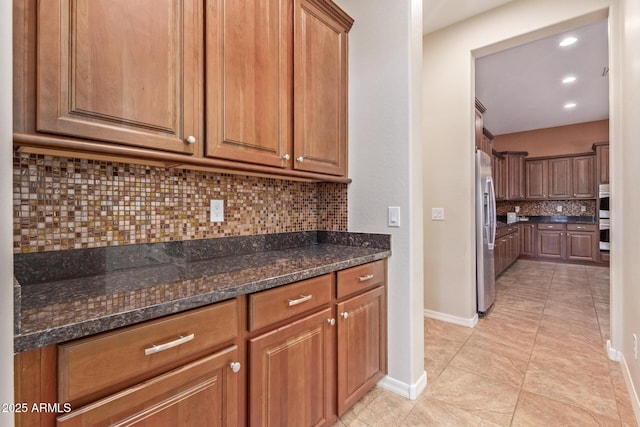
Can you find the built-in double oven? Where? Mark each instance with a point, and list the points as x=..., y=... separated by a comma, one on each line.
x=604, y=216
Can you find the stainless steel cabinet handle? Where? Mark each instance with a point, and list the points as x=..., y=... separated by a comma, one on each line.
x=191, y=139
x=365, y=278
x=235, y=367
x=162, y=347
x=286, y=157
x=303, y=298
x=345, y=315
x=580, y=227
x=300, y=159
x=331, y=321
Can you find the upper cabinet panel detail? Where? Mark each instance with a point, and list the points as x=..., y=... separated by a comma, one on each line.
x=120, y=71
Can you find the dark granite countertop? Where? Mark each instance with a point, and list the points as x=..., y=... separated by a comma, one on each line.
x=502, y=220
x=96, y=290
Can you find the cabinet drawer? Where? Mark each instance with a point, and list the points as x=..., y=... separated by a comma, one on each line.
x=361, y=277
x=110, y=361
x=201, y=392
x=581, y=227
x=274, y=305
x=559, y=227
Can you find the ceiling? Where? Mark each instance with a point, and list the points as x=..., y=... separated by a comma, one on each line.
x=521, y=87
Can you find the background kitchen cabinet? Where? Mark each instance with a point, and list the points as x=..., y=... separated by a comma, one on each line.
x=507, y=248
x=559, y=181
x=561, y=178
x=515, y=175
x=582, y=242
x=602, y=162
x=125, y=72
x=536, y=179
x=498, y=172
x=249, y=80
x=527, y=240
x=583, y=177
x=551, y=242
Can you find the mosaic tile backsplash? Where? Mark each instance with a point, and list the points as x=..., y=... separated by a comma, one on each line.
x=63, y=203
x=548, y=207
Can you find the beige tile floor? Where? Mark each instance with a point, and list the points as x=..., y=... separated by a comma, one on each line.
x=538, y=359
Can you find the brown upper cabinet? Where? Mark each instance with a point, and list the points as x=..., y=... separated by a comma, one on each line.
x=515, y=175
x=124, y=72
x=499, y=180
x=602, y=162
x=558, y=178
x=140, y=79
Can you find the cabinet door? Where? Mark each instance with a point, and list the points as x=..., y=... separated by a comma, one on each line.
x=320, y=91
x=204, y=392
x=602, y=156
x=121, y=71
x=515, y=177
x=551, y=244
x=527, y=239
x=584, y=186
x=581, y=246
x=361, y=346
x=291, y=375
x=560, y=173
x=536, y=178
x=249, y=81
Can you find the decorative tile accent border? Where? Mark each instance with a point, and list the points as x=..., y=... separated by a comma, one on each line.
x=64, y=203
x=548, y=207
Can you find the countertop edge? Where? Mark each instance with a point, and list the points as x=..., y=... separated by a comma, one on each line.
x=56, y=335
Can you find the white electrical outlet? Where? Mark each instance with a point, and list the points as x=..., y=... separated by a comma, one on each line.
x=517, y=209
x=583, y=208
x=559, y=208
x=437, y=214
x=635, y=346
x=217, y=211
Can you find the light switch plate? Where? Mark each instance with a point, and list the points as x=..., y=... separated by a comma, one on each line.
x=217, y=211
x=393, y=216
x=437, y=214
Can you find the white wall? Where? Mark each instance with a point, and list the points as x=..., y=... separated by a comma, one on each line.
x=6, y=214
x=626, y=200
x=385, y=50
x=448, y=111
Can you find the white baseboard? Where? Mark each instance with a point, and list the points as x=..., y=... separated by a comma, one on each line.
x=612, y=352
x=633, y=393
x=410, y=391
x=468, y=322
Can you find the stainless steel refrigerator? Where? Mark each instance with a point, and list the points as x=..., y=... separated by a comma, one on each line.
x=485, y=234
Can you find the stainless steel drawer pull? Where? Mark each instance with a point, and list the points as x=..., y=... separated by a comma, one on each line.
x=580, y=227
x=166, y=346
x=303, y=298
x=365, y=278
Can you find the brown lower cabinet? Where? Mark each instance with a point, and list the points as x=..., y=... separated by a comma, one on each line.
x=296, y=355
x=567, y=242
x=507, y=248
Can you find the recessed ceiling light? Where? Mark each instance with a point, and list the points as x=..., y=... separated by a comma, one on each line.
x=569, y=79
x=568, y=41
x=570, y=105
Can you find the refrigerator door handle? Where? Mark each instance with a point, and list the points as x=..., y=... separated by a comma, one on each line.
x=491, y=206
